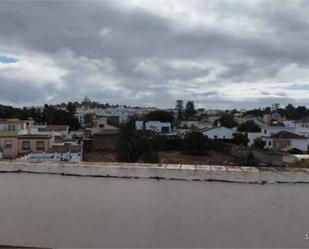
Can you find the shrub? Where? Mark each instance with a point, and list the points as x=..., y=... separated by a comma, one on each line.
x=226, y=120
x=222, y=146
x=133, y=146
x=164, y=143
x=240, y=139
x=249, y=126
x=250, y=160
x=259, y=143
x=160, y=115
x=195, y=142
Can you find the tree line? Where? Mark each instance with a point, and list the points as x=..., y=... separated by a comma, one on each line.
x=290, y=112
x=49, y=114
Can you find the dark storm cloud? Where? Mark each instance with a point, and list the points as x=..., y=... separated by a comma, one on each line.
x=140, y=55
x=22, y=94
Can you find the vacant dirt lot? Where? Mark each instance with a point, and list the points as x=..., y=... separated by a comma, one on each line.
x=212, y=158
x=102, y=156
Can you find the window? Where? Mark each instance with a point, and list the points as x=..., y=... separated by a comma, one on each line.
x=11, y=127
x=8, y=144
x=101, y=125
x=25, y=145
x=165, y=129
x=265, y=131
x=215, y=137
x=269, y=143
x=40, y=145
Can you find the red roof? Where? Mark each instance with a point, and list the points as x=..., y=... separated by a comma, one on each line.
x=287, y=135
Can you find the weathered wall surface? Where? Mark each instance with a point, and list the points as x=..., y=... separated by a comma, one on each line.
x=72, y=211
x=262, y=156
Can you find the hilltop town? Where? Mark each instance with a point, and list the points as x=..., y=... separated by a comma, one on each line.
x=90, y=131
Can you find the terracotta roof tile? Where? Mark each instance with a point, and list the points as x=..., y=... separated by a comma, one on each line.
x=287, y=135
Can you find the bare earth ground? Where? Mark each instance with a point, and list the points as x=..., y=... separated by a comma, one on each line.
x=100, y=156
x=212, y=158
x=172, y=157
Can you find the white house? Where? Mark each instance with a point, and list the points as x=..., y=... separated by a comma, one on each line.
x=139, y=125
x=155, y=126
x=219, y=133
x=189, y=124
x=80, y=116
x=302, y=126
x=289, y=123
x=267, y=131
x=285, y=139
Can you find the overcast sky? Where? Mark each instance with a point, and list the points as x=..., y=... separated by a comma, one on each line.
x=221, y=54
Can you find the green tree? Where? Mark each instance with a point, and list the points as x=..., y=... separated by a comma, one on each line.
x=259, y=143
x=52, y=115
x=195, y=142
x=190, y=110
x=290, y=111
x=160, y=115
x=255, y=112
x=240, y=139
x=132, y=146
x=88, y=118
x=226, y=120
x=71, y=108
x=267, y=110
x=301, y=112
x=180, y=109
x=249, y=126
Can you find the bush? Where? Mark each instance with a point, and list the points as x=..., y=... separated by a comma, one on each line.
x=163, y=143
x=222, y=146
x=195, y=142
x=133, y=146
x=250, y=160
x=259, y=143
x=247, y=160
x=226, y=120
x=162, y=116
x=150, y=156
x=249, y=126
x=240, y=139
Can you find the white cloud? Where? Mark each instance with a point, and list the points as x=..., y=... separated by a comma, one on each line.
x=35, y=68
x=148, y=67
x=140, y=52
x=106, y=34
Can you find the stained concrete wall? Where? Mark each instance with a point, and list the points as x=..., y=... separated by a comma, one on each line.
x=58, y=205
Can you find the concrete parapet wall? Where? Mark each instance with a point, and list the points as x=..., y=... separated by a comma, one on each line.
x=95, y=205
x=239, y=174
